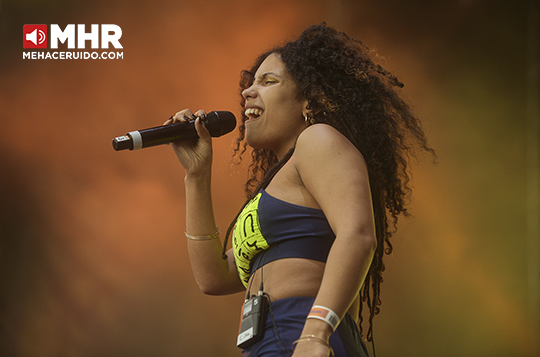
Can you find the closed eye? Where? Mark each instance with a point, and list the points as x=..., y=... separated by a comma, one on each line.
x=268, y=78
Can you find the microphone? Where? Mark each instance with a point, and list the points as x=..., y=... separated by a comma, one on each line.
x=217, y=123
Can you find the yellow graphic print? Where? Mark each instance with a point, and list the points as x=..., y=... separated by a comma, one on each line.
x=247, y=238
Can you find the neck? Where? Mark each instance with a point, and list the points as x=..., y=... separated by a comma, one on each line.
x=284, y=149
x=274, y=169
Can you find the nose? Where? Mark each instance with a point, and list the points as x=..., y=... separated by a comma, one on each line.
x=249, y=92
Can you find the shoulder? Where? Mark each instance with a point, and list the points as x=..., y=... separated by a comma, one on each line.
x=326, y=141
x=319, y=131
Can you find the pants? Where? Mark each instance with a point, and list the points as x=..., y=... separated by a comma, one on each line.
x=289, y=317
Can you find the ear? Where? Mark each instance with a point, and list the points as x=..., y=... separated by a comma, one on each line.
x=312, y=109
x=309, y=114
x=308, y=109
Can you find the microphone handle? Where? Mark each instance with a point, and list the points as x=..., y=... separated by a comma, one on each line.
x=159, y=135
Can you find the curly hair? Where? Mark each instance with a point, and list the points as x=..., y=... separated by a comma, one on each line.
x=350, y=92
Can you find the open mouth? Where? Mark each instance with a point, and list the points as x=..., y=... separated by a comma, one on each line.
x=253, y=113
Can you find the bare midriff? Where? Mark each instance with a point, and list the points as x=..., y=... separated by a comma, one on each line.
x=292, y=277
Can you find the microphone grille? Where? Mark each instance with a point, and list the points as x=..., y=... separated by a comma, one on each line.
x=220, y=123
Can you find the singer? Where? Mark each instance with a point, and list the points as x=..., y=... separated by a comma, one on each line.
x=331, y=138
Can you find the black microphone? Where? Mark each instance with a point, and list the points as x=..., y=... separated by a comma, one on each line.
x=217, y=123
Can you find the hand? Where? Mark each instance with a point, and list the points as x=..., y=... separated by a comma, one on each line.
x=195, y=155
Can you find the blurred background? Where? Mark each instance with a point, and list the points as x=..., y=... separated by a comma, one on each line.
x=93, y=259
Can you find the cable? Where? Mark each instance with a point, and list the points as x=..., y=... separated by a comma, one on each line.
x=274, y=324
x=261, y=290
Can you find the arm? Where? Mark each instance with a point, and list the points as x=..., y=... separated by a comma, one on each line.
x=335, y=174
x=214, y=275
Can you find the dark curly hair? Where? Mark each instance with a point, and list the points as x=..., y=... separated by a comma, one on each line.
x=350, y=92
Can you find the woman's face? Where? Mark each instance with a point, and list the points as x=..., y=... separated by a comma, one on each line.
x=274, y=107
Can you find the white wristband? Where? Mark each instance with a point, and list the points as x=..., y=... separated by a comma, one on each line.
x=325, y=314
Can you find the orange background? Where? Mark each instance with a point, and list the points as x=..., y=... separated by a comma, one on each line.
x=93, y=259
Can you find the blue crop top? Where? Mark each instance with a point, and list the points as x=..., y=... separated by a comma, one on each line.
x=292, y=231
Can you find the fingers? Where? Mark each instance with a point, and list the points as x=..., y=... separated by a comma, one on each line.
x=201, y=114
x=185, y=116
x=202, y=132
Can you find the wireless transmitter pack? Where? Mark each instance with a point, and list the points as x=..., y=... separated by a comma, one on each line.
x=253, y=320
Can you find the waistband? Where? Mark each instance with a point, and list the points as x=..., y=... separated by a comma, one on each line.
x=285, y=323
x=314, y=248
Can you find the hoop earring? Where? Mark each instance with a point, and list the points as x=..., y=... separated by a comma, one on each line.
x=309, y=120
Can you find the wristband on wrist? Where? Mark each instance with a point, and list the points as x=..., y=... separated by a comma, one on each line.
x=325, y=314
x=212, y=236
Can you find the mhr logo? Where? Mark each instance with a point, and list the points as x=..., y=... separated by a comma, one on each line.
x=35, y=36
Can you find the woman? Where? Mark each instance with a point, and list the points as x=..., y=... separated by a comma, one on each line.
x=331, y=139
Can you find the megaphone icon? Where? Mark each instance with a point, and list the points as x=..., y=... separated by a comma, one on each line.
x=33, y=37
